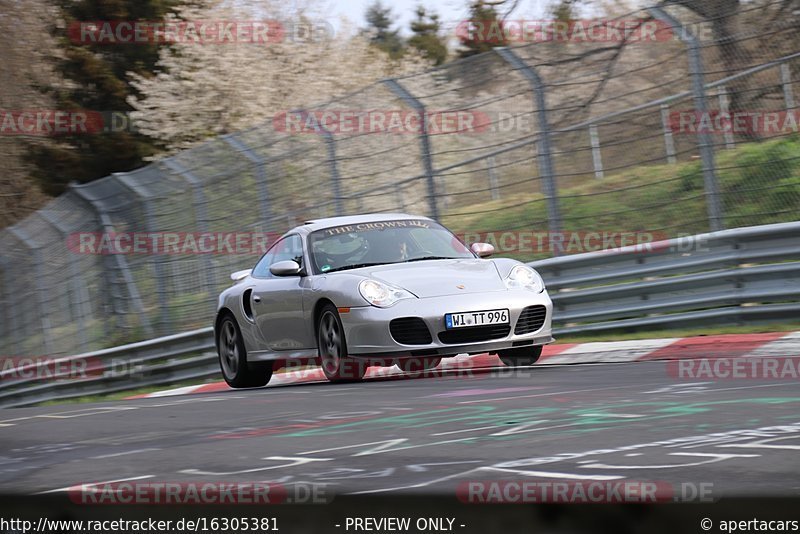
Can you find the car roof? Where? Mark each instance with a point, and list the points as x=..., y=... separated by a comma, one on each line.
x=328, y=222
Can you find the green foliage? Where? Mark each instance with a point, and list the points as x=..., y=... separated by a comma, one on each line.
x=759, y=183
x=379, y=19
x=487, y=31
x=426, y=36
x=94, y=78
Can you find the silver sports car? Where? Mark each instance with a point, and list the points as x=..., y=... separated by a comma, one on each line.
x=380, y=289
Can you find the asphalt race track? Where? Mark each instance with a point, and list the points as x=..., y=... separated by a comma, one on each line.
x=601, y=421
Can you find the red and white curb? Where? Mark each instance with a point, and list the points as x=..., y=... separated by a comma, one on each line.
x=772, y=344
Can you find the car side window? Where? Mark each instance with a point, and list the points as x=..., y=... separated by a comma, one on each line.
x=288, y=248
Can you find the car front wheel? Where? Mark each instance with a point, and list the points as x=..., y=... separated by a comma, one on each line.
x=520, y=356
x=236, y=371
x=332, y=346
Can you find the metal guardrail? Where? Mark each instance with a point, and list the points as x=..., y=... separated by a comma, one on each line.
x=731, y=277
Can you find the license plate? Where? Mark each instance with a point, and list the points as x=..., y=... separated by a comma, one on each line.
x=476, y=318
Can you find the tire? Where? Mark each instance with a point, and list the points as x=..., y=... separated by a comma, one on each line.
x=332, y=346
x=521, y=356
x=416, y=365
x=236, y=371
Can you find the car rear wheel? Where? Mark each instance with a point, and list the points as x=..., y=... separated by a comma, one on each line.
x=332, y=346
x=236, y=371
x=521, y=356
x=415, y=365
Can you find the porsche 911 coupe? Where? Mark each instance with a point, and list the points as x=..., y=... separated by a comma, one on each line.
x=379, y=289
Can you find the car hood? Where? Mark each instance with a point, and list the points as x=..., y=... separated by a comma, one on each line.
x=437, y=278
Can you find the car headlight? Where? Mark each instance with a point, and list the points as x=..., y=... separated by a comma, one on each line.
x=522, y=276
x=382, y=295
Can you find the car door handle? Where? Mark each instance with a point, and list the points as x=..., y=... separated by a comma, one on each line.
x=256, y=298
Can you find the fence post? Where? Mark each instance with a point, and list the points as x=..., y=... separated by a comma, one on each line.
x=786, y=81
x=128, y=183
x=669, y=142
x=398, y=195
x=490, y=164
x=727, y=133
x=703, y=137
x=77, y=284
x=119, y=259
x=12, y=332
x=424, y=141
x=201, y=215
x=597, y=160
x=545, y=153
x=41, y=290
x=330, y=144
x=262, y=182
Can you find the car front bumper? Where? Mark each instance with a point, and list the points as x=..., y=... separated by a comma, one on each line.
x=368, y=334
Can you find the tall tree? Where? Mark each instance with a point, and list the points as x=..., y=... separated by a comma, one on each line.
x=25, y=43
x=379, y=21
x=485, y=30
x=94, y=78
x=426, y=36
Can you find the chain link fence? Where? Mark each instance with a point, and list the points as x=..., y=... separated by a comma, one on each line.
x=686, y=131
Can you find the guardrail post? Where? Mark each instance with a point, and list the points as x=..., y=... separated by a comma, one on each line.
x=703, y=137
x=119, y=259
x=330, y=144
x=669, y=142
x=41, y=290
x=424, y=141
x=262, y=179
x=786, y=81
x=727, y=133
x=77, y=291
x=597, y=159
x=130, y=184
x=201, y=214
x=545, y=153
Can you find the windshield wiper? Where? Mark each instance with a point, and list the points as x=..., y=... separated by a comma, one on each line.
x=356, y=266
x=433, y=258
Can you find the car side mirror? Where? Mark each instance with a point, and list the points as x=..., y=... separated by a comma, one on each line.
x=285, y=268
x=482, y=250
x=241, y=275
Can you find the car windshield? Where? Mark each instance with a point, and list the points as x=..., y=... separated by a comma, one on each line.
x=382, y=242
